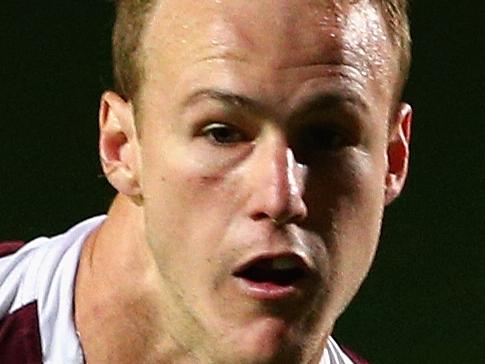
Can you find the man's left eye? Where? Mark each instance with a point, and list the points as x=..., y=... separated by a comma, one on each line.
x=321, y=138
x=220, y=133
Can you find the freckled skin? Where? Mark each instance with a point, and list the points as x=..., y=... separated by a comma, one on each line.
x=305, y=140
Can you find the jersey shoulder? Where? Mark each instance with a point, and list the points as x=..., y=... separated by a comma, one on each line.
x=20, y=340
x=36, y=285
x=356, y=359
x=42, y=268
x=9, y=247
x=335, y=353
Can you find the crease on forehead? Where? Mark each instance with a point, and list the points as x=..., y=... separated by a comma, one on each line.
x=350, y=32
x=322, y=27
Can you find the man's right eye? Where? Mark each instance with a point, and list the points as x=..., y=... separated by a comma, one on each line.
x=221, y=133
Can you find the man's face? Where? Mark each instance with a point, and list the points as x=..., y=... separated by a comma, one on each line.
x=264, y=158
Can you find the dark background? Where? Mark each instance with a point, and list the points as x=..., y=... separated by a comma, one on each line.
x=424, y=299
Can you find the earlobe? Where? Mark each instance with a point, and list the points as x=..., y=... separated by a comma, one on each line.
x=118, y=144
x=398, y=152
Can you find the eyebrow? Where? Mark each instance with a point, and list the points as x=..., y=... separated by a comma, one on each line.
x=329, y=100
x=225, y=97
x=320, y=101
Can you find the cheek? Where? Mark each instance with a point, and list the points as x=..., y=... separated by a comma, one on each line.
x=347, y=211
x=189, y=200
x=345, y=198
x=192, y=176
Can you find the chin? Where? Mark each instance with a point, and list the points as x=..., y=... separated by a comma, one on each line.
x=268, y=340
x=262, y=353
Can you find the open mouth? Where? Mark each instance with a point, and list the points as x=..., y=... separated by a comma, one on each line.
x=281, y=271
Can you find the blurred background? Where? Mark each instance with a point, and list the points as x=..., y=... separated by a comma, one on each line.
x=424, y=298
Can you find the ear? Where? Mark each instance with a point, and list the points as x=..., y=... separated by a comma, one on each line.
x=398, y=151
x=118, y=144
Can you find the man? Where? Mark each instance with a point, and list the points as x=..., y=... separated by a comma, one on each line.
x=254, y=145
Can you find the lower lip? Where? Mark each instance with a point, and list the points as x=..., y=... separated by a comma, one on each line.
x=267, y=291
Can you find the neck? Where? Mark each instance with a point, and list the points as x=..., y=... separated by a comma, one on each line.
x=117, y=301
x=118, y=296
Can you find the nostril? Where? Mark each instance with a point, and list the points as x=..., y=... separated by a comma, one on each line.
x=281, y=219
x=260, y=216
x=278, y=221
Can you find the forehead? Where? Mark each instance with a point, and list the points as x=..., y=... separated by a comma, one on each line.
x=279, y=34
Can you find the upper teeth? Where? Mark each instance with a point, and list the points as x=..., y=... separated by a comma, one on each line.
x=283, y=263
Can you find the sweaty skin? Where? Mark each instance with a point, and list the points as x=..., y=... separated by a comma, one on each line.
x=261, y=127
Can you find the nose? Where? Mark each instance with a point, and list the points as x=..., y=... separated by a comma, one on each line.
x=277, y=184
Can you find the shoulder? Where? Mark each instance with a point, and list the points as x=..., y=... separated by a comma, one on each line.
x=19, y=325
x=37, y=285
x=9, y=247
x=356, y=359
x=30, y=271
x=15, y=265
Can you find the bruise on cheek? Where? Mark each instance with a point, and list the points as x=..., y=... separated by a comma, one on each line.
x=221, y=184
x=210, y=163
x=209, y=180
